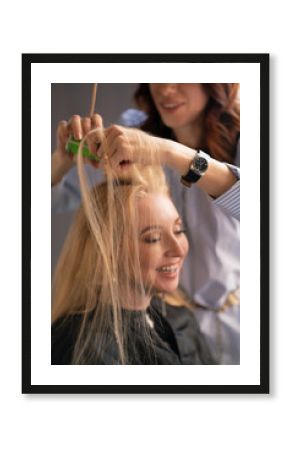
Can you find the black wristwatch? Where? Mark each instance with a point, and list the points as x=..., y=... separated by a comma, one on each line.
x=197, y=169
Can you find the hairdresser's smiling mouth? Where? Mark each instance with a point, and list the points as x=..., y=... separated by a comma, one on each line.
x=170, y=106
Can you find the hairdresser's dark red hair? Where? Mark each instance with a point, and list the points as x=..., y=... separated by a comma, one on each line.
x=222, y=118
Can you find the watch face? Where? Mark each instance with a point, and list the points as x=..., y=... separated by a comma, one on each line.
x=200, y=164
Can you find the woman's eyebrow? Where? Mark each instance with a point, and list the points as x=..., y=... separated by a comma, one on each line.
x=158, y=227
x=149, y=228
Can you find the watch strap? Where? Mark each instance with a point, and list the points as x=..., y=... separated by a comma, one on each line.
x=189, y=178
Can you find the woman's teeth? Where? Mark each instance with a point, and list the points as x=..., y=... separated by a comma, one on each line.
x=169, y=269
x=170, y=105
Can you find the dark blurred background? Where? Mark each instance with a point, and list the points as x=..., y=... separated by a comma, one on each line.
x=68, y=99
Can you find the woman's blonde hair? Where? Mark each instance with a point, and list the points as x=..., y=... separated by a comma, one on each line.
x=99, y=267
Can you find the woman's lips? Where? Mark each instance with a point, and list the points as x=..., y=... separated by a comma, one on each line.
x=169, y=271
x=170, y=107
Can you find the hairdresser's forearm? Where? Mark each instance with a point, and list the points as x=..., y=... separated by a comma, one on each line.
x=59, y=167
x=218, y=177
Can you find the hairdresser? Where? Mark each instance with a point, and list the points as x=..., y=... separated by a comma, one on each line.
x=194, y=131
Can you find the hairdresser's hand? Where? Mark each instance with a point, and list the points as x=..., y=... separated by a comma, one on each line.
x=76, y=127
x=128, y=145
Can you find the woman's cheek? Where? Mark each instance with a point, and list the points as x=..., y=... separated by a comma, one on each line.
x=186, y=246
x=148, y=264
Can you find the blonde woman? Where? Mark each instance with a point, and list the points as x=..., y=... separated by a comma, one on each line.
x=116, y=298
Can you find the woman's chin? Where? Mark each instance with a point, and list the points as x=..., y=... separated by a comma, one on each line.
x=168, y=287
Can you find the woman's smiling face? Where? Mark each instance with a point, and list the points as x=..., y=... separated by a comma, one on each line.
x=179, y=104
x=163, y=244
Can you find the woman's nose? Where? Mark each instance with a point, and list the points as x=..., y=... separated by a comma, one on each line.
x=167, y=88
x=175, y=247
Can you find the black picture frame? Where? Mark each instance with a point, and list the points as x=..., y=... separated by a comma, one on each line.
x=260, y=59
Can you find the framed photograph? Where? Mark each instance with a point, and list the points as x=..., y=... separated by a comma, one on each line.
x=207, y=310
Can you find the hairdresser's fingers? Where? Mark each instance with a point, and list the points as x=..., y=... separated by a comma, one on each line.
x=122, y=156
x=113, y=131
x=130, y=141
x=86, y=125
x=75, y=127
x=86, y=128
x=116, y=139
x=94, y=140
x=109, y=146
x=62, y=135
x=62, y=132
x=87, y=134
x=96, y=121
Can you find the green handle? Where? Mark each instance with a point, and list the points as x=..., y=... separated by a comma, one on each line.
x=72, y=146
